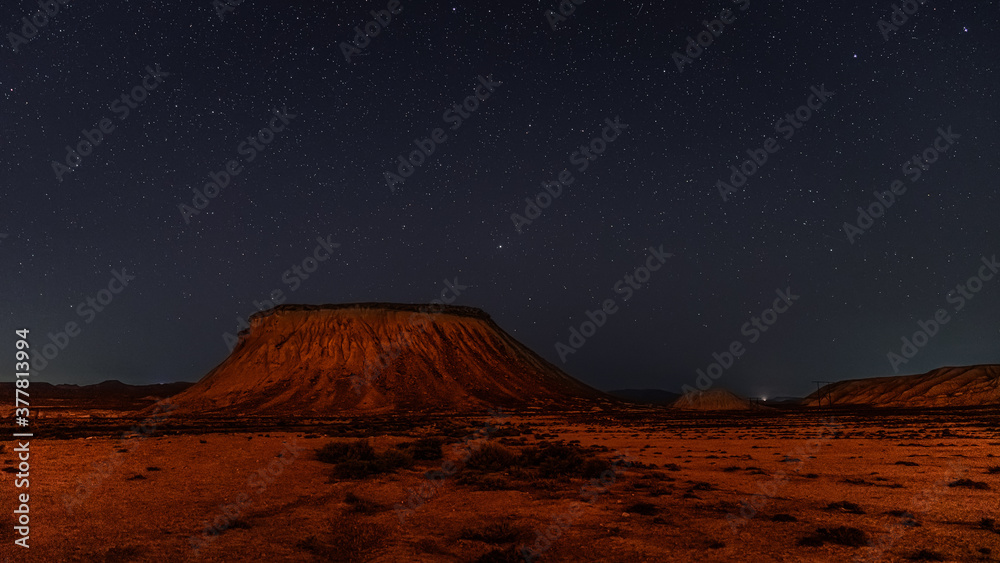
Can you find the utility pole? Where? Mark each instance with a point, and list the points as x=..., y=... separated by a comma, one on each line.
x=819, y=396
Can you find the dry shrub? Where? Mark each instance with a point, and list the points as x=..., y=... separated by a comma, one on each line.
x=118, y=554
x=553, y=460
x=969, y=484
x=502, y=555
x=491, y=456
x=352, y=541
x=842, y=535
x=484, y=481
x=643, y=508
x=237, y=524
x=593, y=468
x=357, y=459
x=362, y=505
x=926, y=555
x=336, y=452
x=496, y=533
x=429, y=449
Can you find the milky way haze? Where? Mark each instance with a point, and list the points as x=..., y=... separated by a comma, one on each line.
x=792, y=187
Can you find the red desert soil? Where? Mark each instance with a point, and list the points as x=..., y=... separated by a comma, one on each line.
x=238, y=470
x=700, y=487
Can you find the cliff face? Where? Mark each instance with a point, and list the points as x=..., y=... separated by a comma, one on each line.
x=373, y=357
x=943, y=387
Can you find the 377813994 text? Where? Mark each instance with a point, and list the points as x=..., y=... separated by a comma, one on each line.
x=22, y=517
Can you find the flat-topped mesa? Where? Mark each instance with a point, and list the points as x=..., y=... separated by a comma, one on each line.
x=330, y=360
x=713, y=400
x=415, y=310
x=968, y=386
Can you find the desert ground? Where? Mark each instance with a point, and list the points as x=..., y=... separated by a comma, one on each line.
x=629, y=484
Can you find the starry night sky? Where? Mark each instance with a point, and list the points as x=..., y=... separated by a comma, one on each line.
x=655, y=185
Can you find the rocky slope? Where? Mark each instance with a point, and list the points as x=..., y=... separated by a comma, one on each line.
x=111, y=394
x=943, y=387
x=369, y=358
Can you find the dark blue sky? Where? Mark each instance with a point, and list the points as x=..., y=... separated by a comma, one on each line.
x=346, y=123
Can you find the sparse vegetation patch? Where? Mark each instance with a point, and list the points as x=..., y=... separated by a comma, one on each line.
x=356, y=460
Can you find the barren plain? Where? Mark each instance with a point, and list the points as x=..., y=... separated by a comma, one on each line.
x=632, y=484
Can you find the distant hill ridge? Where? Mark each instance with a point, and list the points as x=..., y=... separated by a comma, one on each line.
x=944, y=387
x=652, y=396
x=713, y=400
x=110, y=394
